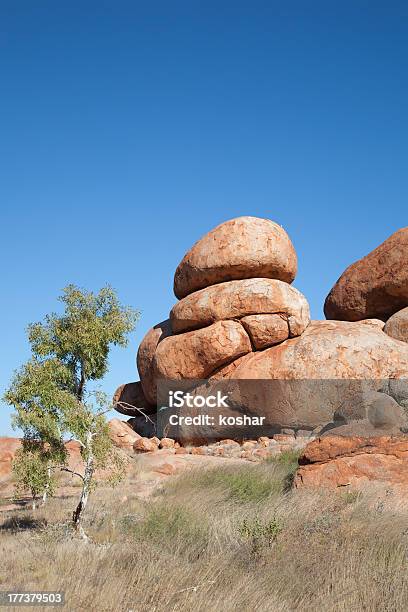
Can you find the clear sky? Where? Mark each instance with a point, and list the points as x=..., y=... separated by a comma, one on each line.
x=129, y=129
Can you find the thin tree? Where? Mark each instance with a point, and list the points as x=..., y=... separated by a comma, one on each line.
x=52, y=393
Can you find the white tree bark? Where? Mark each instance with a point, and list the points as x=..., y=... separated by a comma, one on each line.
x=86, y=485
x=47, y=486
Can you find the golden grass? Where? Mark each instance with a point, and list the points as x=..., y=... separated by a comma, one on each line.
x=230, y=538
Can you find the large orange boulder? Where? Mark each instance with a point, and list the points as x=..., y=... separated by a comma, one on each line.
x=303, y=381
x=246, y=247
x=197, y=354
x=145, y=357
x=130, y=400
x=376, y=286
x=397, y=325
x=237, y=299
x=354, y=462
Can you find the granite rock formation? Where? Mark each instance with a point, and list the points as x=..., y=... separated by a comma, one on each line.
x=239, y=319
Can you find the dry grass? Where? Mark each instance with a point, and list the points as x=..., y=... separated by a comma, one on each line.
x=226, y=539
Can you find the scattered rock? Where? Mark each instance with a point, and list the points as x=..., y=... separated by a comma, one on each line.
x=145, y=445
x=198, y=450
x=376, y=286
x=246, y=247
x=181, y=450
x=167, y=443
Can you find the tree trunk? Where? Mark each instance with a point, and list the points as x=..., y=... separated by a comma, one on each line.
x=47, y=487
x=89, y=470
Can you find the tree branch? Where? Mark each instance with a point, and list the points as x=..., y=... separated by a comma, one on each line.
x=65, y=469
x=126, y=405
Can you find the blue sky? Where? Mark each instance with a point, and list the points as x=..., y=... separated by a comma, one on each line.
x=129, y=129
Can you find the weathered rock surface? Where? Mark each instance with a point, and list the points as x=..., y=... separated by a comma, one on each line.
x=145, y=357
x=122, y=435
x=266, y=329
x=197, y=354
x=237, y=299
x=145, y=445
x=302, y=382
x=245, y=247
x=376, y=286
x=380, y=409
x=341, y=461
x=397, y=325
x=129, y=399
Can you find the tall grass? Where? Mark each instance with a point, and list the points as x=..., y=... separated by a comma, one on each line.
x=222, y=539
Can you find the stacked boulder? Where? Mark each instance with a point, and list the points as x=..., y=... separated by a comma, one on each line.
x=235, y=299
x=239, y=318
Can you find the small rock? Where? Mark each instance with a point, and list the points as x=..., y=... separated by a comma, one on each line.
x=228, y=442
x=145, y=445
x=167, y=443
x=249, y=444
x=303, y=433
x=283, y=438
x=180, y=450
x=288, y=432
x=198, y=450
x=155, y=440
x=262, y=453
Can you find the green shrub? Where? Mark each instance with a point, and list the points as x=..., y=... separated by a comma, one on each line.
x=260, y=533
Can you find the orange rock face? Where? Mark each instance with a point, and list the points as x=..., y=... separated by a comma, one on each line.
x=330, y=351
x=397, y=325
x=376, y=286
x=197, y=354
x=341, y=461
x=246, y=247
x=144, y=445
x=237, y=299
x=266, y=329
x=129, y=397
x=121, y=434
x=145, y=356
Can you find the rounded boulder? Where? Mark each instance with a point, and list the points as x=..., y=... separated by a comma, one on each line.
x=245, y=247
